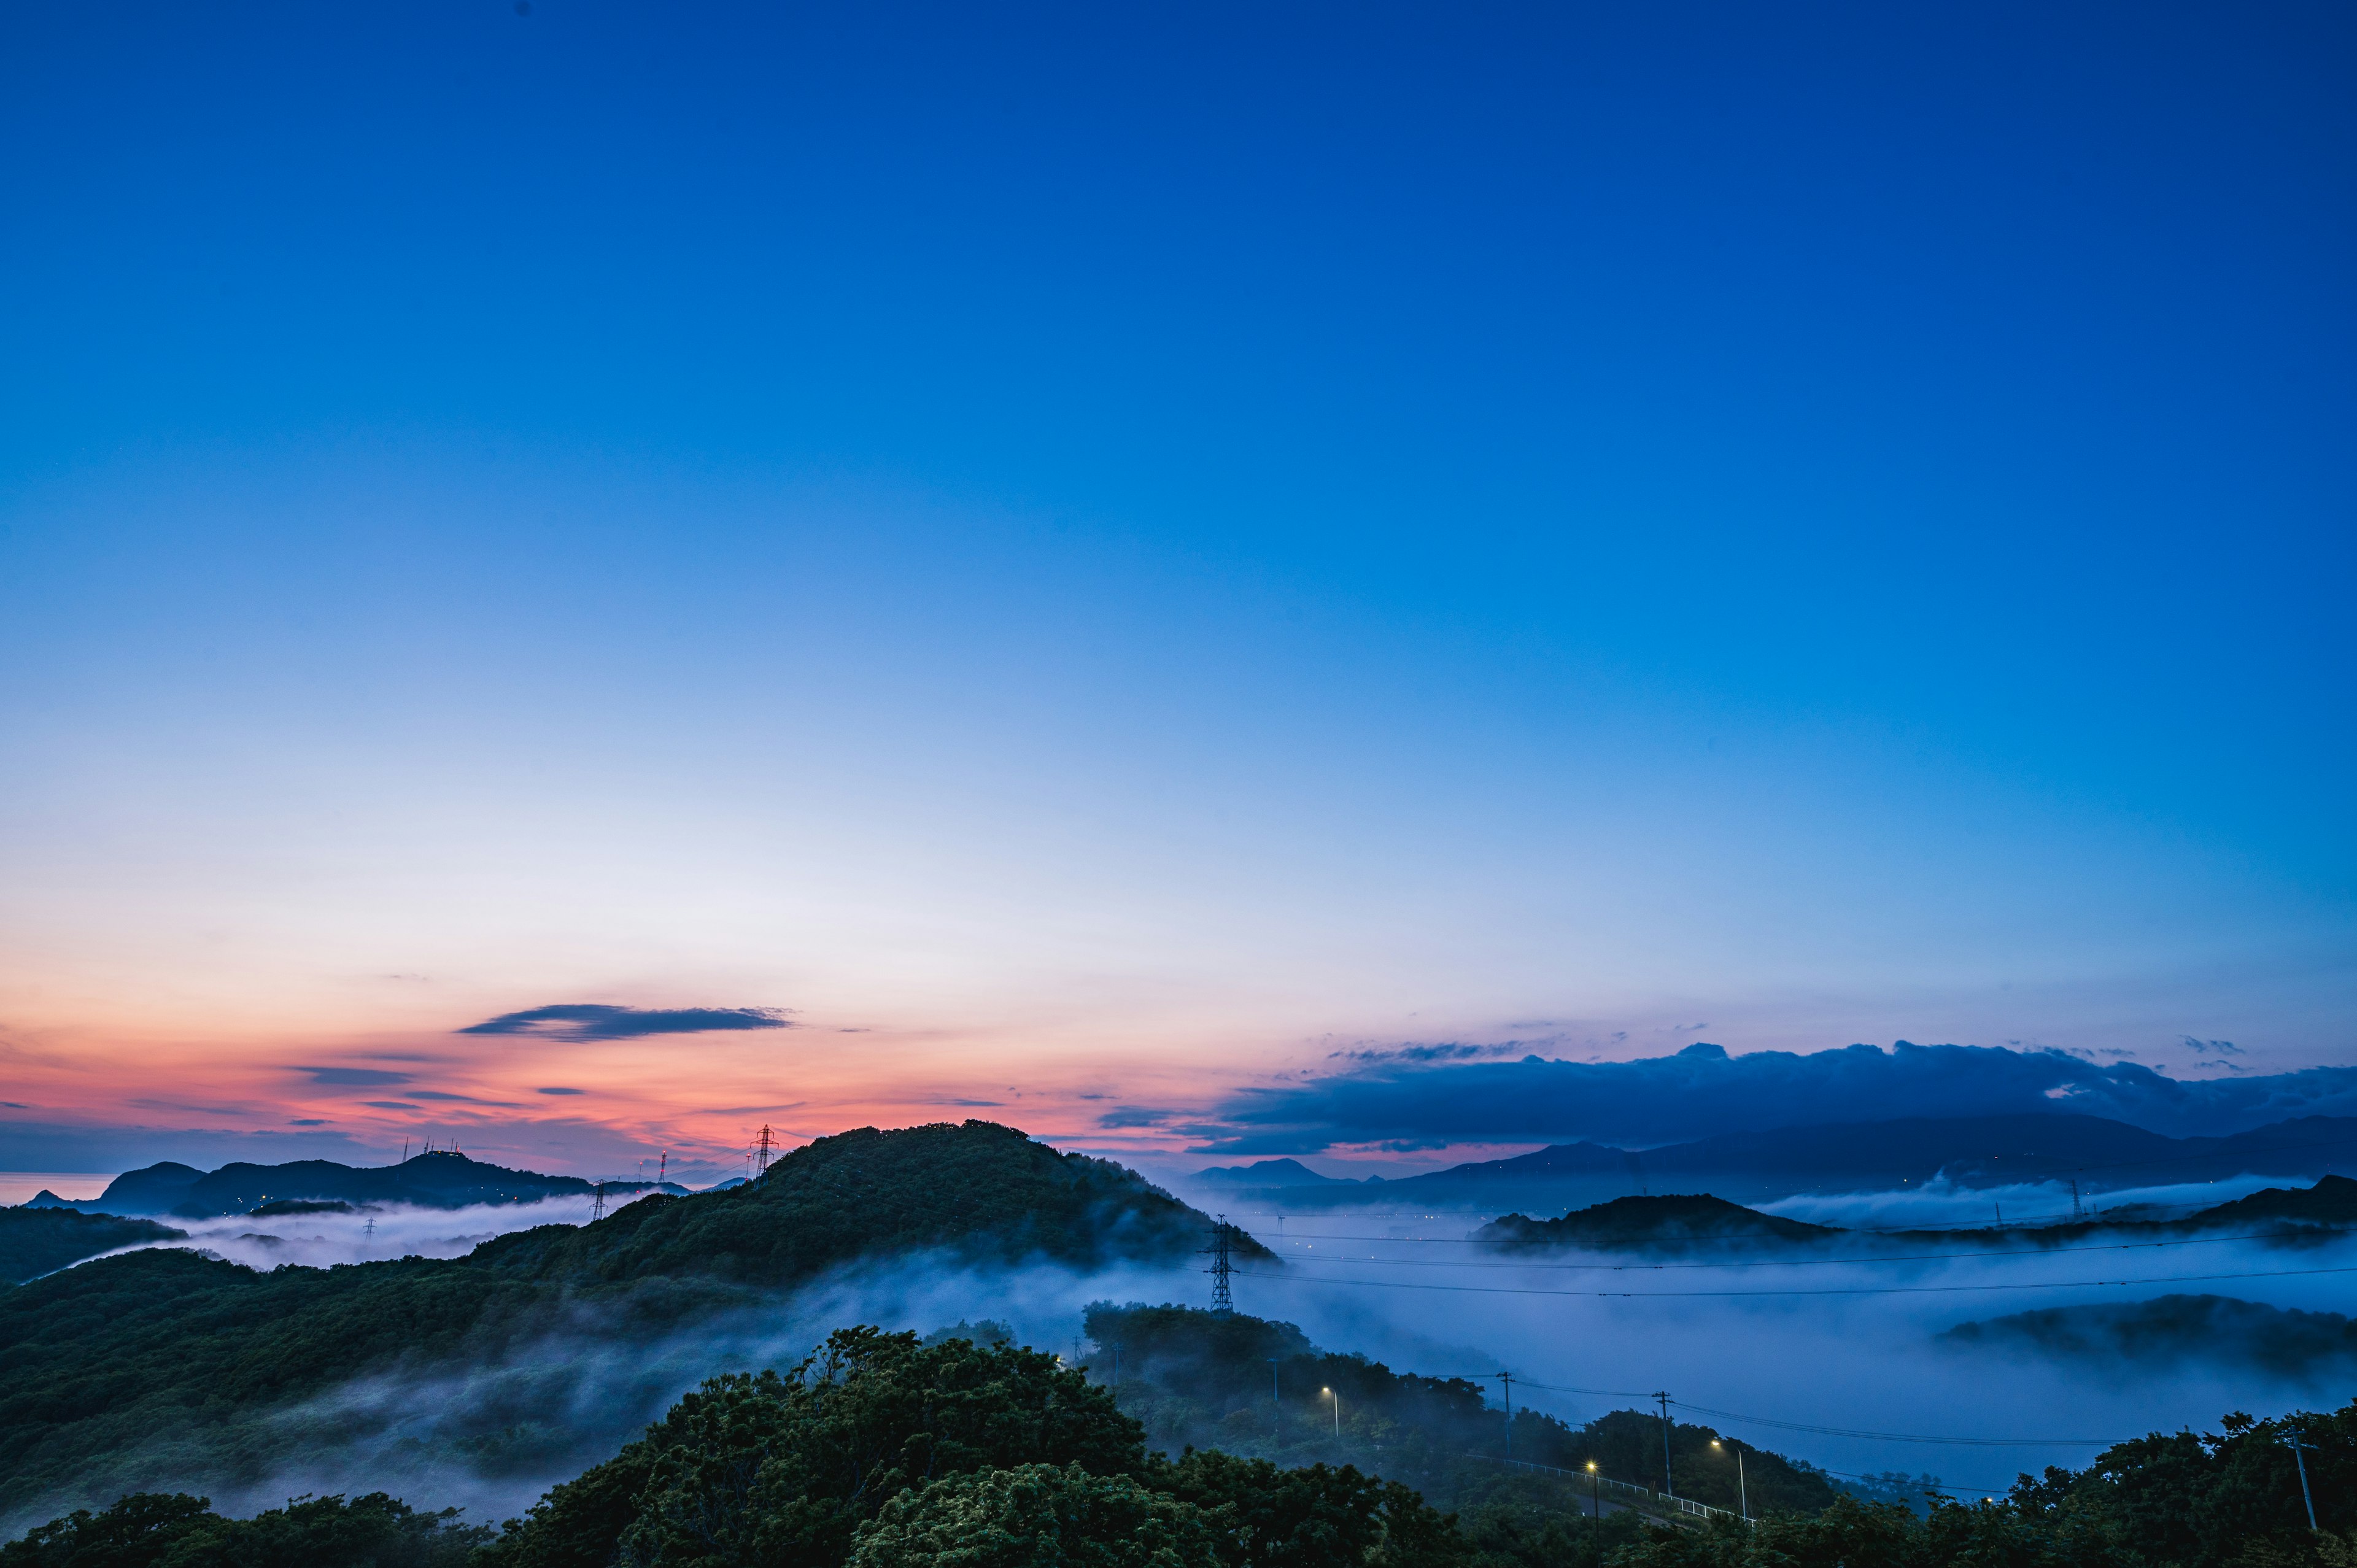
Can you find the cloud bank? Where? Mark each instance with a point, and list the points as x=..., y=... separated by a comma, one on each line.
x=579, y=1020
x=1407, y=1103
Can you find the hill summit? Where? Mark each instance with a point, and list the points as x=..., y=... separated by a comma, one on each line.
x=1668, y=1219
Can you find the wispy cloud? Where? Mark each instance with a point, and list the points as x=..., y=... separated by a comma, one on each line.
x=355, y=1077
x=598, y=1021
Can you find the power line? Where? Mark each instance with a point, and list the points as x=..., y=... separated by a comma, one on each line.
x=2302, y=1234
x=1927, y=1228
x=1906, y=1436
x=1833, y=1431
x=1837, y=1290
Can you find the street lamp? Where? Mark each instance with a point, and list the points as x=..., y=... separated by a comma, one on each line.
x=1742, y=1495
x=1331, y=1394
x=1595, y=1500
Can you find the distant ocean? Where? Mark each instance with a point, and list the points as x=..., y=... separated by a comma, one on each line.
x=16, y=1186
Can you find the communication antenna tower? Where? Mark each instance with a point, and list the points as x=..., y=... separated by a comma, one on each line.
x=761, y=1155
x=663, y=1167
x=1223, y=1301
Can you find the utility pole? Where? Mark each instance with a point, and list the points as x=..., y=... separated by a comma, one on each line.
x=1742, y=1494
x=1223, y=1301
x=1667, y=1486
x=2292, y=1435
x=1507, y=1379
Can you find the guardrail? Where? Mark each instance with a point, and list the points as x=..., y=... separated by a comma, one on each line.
x=1619, y=1488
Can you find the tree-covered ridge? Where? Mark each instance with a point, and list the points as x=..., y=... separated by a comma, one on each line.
x=1254, y=1386
x=159, y=1367
x=1641, y=1221
x=174, y=1530
x=442, y=1179
x=881, y=1450
x=1669, y=1221
x=35, y=1241
x=978, y=1188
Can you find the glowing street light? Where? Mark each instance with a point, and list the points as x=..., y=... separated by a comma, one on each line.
x=1742, y=1496
x=1596, y=1497
x=1331, y=1394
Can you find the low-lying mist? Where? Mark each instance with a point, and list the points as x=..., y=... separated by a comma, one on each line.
x=323, y=1239
x=1937, y=1205
x=1774, y=1349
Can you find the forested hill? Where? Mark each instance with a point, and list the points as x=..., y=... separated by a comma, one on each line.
x=1260, y=1389
x=1638, y=1222
x=443, y=1179
x=35, y=1241
x=165, y=1367
x=978, y=1188
x=1671, y=1221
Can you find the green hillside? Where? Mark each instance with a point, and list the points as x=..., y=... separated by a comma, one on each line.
x=1663, y=1220
x=35, y=1241
x=158, y=1364
x=1261, y=1389
x=979, y=1190
x=882, y=1451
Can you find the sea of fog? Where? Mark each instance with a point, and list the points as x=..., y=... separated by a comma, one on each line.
x=1761, y=1348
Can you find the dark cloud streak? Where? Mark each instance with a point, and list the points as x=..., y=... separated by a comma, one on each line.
x=585, y=1021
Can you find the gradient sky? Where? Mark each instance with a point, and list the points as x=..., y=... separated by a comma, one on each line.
x=1096, y=558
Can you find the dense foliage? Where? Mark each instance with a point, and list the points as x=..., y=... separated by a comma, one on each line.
x=164, y=1367
x=1253, y=1387
x=882, y=1448
x=156, y=1531
x=33, y=1241
x=1036, y=1516
x=883, y=1451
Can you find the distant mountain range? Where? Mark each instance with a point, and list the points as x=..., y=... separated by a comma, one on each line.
x=442, y=1179
x=1864, y=1156
x=1270, y=1173
x=1675, y=1220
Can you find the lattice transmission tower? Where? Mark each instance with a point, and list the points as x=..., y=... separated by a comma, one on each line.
x=1222, y=1301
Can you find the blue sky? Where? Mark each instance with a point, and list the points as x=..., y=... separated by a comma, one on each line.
x=1126, y=552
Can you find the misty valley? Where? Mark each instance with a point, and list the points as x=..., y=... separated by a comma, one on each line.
x=952, y=1337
